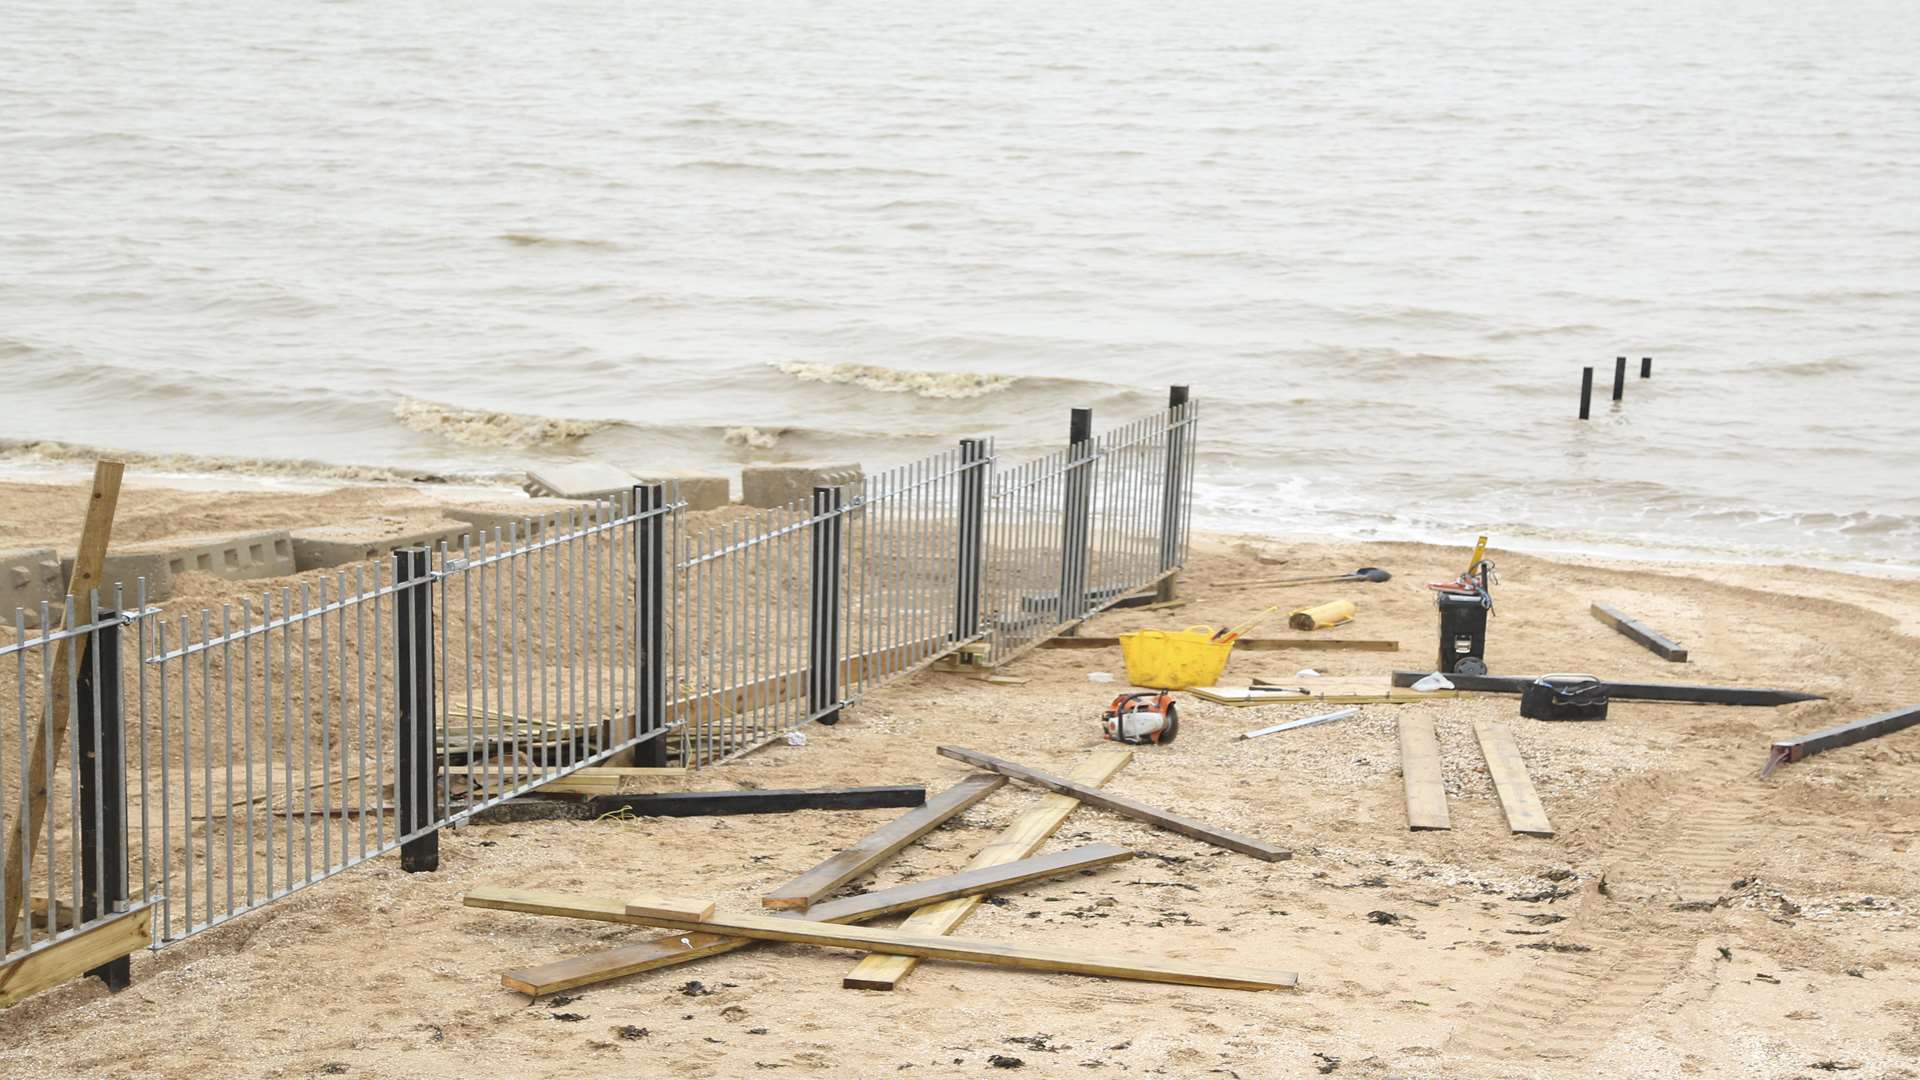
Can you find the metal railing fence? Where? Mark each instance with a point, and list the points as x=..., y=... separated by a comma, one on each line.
x=209, y=763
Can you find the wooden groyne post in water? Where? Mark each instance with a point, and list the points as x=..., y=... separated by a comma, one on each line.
x=1619, y=378
x=1586, y=392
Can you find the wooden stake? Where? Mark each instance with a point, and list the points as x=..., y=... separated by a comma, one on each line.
x=1021, y=839
x=881, y=844
x=1139, y=811
x=87, y=561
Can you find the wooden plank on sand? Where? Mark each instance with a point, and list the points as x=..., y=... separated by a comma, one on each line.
x=1073, y=961
x=1420, y=771
x=1653, y=640
x=1020, y=840
x=1120, y=804
x=1249, y=697
x=94, y=947
x=881, y=844
x=1510, y=780
x=551, y=978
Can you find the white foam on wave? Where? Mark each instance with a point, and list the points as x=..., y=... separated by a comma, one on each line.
x=926, y=384
x=487, y=427
x=748, y=437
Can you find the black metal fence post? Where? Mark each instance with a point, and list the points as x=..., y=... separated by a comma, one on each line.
x=1173, y=500
x=1076, y=530
x=972, y=538
x=823, y=604
x=1586, y=393
x=649, y=619
x=414, y=787
x=103, y=794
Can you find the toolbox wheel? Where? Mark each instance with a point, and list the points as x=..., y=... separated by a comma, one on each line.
x=1470, y=665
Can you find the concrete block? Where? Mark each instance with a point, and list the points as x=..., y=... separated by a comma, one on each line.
x=783, y=485
x=578, y=480
x=702, y=491
x=351, y=542
x=530, y=515
x=241, y=557
x=27, y=577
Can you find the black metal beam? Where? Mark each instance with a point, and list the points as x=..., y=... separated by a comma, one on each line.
x=1656, y=642
x=1842, y=735
x=1626, y=691
x=766, y=801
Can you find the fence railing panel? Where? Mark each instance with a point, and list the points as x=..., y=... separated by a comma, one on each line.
x=291, y=734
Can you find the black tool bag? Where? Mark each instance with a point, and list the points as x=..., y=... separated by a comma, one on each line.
x=1564, y=697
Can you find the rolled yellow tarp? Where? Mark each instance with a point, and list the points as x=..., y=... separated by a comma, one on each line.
x=1323, y=616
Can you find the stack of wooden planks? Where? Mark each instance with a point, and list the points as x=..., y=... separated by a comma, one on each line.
x=801, y=910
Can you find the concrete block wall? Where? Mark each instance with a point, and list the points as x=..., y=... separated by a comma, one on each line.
x=783, y=485
x=29, y=576
x=349, y=542
x=241, y=557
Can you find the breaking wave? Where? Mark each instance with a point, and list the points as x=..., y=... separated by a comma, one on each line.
x=485, y=427
x=53, y=452
x=926, y=384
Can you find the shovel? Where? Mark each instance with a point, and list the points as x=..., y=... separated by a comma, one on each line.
x=1365, y=573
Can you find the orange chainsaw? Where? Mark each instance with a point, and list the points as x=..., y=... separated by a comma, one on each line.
x=1141, y=717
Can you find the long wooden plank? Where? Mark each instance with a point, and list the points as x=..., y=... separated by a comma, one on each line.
x=764, y=801
x=1020, y=840
x=1245, y=644
x=1120, y=804
x=1640, y=633
x=1420, y=771
x=999, y=954
x=95, y=533
x=93, y=947
x=1839, y=735
x=1250, y=697
x=1624, y=691
x=551, y=978
x=1510, y=780
x=881, y=844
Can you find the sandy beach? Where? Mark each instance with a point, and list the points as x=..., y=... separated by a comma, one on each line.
x=1686, y=919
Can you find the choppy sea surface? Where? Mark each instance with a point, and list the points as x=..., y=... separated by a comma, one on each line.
x=1378, y=239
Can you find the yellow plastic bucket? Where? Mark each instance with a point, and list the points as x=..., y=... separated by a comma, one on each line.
x=1174, y=659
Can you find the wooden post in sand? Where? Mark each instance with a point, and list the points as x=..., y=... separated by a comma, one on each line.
x=81, y=589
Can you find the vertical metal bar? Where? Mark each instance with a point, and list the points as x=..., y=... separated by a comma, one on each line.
x=442, y=751
x=246, y=730
x=140, y=723
x=226, y=672
x=363, y=645
x=413, y=667
x=286, y=710
x=166, y=791
x=266, y=725
x=326, y=739
x=186, y=768
x=306, y=731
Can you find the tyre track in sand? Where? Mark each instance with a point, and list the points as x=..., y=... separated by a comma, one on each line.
x=1569, y=1003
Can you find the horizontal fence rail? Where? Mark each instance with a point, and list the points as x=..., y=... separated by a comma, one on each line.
x=209, y=762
